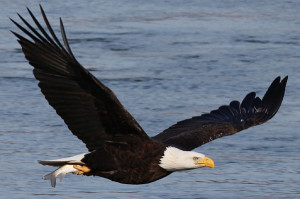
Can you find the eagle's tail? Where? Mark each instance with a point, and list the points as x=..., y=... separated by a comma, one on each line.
x=66, y=165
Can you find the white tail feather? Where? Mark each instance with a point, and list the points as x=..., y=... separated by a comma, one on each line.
x=62, y=161
x=66, y=166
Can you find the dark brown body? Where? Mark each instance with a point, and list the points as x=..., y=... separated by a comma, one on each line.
x=124, y=164
x=120, y=149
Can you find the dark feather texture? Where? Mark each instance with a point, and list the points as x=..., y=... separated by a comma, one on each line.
x=119, y=148
x=90, y=109
x=227, y=120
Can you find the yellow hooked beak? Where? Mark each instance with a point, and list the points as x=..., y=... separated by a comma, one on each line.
x=206, y=162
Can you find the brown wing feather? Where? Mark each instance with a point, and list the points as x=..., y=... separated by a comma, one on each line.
x=227, y=120
x=91, y=110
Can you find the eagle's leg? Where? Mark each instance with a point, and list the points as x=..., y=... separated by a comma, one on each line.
x=81, y=169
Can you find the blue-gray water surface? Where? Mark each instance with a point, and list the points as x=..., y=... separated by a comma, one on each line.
x=166, y=61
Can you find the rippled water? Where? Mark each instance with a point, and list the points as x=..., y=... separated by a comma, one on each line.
x=166, y=61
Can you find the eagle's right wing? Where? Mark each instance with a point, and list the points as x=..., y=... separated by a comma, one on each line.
x=227, y=120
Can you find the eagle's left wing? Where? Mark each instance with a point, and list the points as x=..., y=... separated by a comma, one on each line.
x=90, y=109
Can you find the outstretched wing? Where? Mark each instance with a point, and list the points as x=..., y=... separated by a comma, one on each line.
x=227, y=120
x=91, y=110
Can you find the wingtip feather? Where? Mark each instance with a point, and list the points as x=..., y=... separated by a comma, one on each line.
x=284, y=80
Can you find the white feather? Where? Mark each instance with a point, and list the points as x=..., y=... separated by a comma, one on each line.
x=175, y=159
x=65, y=166
x=62, y=161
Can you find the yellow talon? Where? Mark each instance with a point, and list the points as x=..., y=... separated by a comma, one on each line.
x=80, y=172
x=82, y=169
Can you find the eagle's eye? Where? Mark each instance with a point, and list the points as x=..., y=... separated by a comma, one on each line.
x=195, y=158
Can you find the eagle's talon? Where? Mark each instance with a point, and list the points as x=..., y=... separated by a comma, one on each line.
x=81, y=169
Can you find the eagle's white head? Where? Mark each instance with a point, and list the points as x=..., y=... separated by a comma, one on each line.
x=175, y=159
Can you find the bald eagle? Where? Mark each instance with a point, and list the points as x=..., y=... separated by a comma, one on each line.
x=119, y=149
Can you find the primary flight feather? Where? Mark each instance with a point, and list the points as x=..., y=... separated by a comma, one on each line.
x=119, y=149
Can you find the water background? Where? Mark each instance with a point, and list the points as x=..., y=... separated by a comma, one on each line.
x=166, y=61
